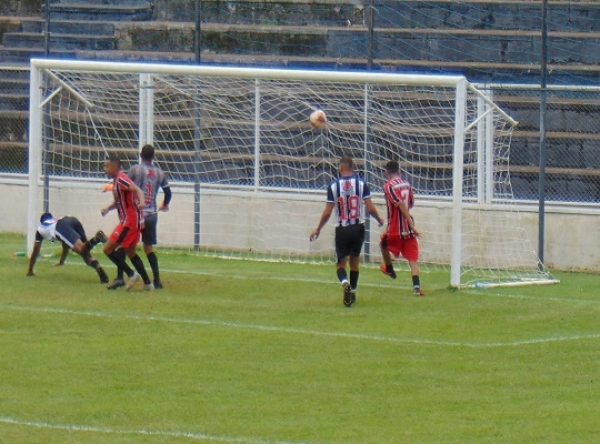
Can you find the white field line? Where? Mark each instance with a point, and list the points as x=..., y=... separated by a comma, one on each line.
x=299, y=331
x=165, y=433
x=401, y=283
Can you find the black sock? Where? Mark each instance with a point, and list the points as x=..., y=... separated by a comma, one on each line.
x=353, y=279
x=119, y=260
x=139, y=266
x=125, y=269
x=153, y=261
x=389, y=268
x=341, y=274
x=94, y=264
x=416, y=282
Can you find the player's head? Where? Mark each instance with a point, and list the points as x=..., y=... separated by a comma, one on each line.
x=46, y=218
x=147, y=153
x=392, y=167
x=346, y=165
x=112, y=165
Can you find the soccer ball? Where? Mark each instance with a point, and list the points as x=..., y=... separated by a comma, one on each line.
x=318, y=119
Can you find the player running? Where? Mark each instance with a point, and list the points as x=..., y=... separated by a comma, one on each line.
x=129, y=201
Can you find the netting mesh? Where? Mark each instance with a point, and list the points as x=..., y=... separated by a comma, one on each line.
x=249, y=171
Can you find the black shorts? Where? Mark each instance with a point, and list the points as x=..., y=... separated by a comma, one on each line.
x=149, y=230
x=69, y=230
x=349, y=241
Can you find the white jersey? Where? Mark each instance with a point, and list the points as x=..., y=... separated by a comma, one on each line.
x=47, y=230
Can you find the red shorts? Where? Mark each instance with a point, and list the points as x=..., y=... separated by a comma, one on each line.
x=408, y=247
x=125, y=236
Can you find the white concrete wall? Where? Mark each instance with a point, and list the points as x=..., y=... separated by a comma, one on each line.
x=572, y=240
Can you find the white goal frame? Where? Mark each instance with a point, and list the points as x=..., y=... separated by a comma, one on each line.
x=462, y=125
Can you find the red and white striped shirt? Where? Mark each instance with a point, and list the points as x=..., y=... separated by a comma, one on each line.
x=398, y=190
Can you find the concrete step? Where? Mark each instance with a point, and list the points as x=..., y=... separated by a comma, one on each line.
x=69, y=27
x=23, y=55
x=266, y=13
x=59, y=41
x=103, y=2
x=14, y=86
x=491, y=14
x=208, y=57
x=14, y=102
x=103, y=12
x=467, y=14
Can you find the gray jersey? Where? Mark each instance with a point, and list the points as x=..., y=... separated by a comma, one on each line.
x=150, y=178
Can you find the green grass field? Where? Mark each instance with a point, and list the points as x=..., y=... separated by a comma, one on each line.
x=246, y=352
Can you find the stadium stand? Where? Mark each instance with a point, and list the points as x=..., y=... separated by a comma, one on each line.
x=489, y=41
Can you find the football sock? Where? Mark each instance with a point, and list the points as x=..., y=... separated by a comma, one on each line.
x=91, y=243
x=153, y=261
x=416, y=282
x=119, y=260
x=139, y=266
x=341, y=274
x=125, y=269
x=94, y=264
x=353, y=279
x=389, y=268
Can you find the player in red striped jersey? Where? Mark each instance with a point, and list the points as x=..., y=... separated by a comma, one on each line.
x=347, y=194
x=401, y=236
x=129, y=203
x=150, y=178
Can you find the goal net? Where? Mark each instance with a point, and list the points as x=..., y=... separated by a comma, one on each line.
x=248, y=172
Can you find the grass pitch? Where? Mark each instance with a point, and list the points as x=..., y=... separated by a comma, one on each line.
x=246, y=352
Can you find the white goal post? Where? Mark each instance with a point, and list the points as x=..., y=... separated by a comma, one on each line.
x=248, y=171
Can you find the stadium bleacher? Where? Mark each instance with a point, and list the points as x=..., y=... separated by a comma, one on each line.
x=489, y=41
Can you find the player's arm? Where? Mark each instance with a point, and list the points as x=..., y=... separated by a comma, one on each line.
x=373, y=210
x=167, y=199
x=104, y=211
x=324, y=218
x=63, y=255
x=37, y=246
x=406, y=213
x=140, y=194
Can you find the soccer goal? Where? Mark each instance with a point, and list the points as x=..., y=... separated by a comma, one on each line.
x=249, y=172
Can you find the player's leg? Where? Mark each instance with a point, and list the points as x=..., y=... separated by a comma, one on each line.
x=342, y=253
x=343, y=278
x=410, y=251
x=93, y=262
x=149, y=239
x=116, y=254
x=129, y=243
x=70, y=231
x=122, y=270
x=387, y=267
x=83, y=244
x=356, y=241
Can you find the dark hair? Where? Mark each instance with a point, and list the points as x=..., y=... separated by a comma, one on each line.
x=45, y=217
x=113, y=158
x=347, y=161
x=392, y=167
x=147, y=152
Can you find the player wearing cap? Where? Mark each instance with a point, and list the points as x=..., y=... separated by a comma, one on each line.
x=70, y=232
